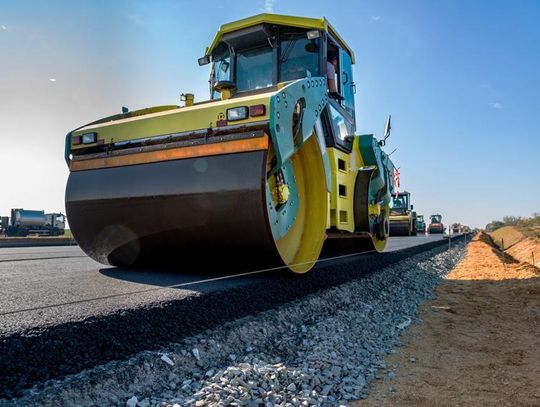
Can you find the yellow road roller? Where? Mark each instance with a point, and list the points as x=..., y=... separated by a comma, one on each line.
x=403, y=219
x=263, y=174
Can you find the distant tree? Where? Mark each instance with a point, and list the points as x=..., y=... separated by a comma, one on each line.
x=496, y=224
x=511, y=220
x=533, y=221
x=527, y=222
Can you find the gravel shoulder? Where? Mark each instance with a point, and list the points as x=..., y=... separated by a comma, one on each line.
x=478, y=342
x=322, y=349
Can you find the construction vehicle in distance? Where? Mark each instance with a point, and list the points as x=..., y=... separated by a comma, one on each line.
x=263, y=174
x=435, y=225
x=402, y=216
x=4, y=223
x=27, y=222
x=458, y=228
x=420, y=224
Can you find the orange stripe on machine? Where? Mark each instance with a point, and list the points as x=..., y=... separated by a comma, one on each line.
x=225, y=147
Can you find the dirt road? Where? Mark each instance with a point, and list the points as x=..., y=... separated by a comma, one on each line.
x=478, y=342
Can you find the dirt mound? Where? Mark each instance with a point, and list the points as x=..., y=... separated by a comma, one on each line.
x=478, y=342
x=526, y=251
x=517, y=244
x=509, y=235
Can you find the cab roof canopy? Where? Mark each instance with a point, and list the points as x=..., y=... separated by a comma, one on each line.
x=277, y=19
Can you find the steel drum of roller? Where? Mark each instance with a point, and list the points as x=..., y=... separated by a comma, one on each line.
x=196, y=211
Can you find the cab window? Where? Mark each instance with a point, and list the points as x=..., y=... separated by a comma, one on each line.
x=298, y=57
x=221, y=67
x=346, y=84
x=254, y=68
x=341, y=127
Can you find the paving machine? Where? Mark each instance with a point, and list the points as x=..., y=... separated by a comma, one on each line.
x=403, y=220
x=263, y=174
x=436, y=225
x=420, y=224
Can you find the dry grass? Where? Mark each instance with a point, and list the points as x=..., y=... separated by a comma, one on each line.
x=510, y=234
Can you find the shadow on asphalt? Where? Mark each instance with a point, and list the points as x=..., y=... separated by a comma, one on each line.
x=186, y=279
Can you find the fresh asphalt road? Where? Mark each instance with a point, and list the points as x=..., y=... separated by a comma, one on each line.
x=43, y=286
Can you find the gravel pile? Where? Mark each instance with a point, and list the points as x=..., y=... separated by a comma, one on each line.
x=321, y=350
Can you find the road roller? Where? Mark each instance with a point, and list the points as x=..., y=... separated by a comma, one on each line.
x=402, y=215
x=265, y=173
x=420, y=224
x=436, y=226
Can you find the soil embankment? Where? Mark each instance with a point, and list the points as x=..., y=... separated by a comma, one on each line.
x=478, y=342
x=517, y=244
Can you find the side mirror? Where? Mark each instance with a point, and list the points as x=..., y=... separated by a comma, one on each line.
x=387, y=127
x=412, y=207
x=224, y=66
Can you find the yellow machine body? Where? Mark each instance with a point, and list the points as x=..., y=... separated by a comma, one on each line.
x=256, y=178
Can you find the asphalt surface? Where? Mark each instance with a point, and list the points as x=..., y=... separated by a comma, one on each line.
x=65, y=312
x=43, y=241
x=49, y=286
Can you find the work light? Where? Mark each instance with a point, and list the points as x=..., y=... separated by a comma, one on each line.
x=237, y=113
x=89, y=138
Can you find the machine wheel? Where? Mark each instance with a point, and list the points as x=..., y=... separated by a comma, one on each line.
x=301, y=247
x=379, y=227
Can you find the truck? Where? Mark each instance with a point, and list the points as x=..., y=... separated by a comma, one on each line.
x=402, y=215
x=27, y=222
x=4, y=223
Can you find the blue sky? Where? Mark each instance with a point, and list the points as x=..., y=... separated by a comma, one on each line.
x=460, y=78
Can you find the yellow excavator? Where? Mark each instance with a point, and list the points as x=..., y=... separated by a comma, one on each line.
x=263, y=174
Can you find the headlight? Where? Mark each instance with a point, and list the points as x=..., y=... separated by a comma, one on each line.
x=237, y=113
x=89, y=138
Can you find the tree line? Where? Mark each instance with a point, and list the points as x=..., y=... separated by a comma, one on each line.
x=520, y=221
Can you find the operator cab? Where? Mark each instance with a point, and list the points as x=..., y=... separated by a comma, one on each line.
x=436, y=218
x=400, y=203
x=260, y=57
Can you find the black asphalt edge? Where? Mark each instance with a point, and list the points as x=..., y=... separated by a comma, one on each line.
x=36, y=242
x=34, y=356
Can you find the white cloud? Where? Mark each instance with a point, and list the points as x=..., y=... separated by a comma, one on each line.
x=4, y=28
x=52, y=79
x=496, y=105
x=269, y=6
x=375, y=18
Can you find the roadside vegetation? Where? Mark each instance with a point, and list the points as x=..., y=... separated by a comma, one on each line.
x=527, y=226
